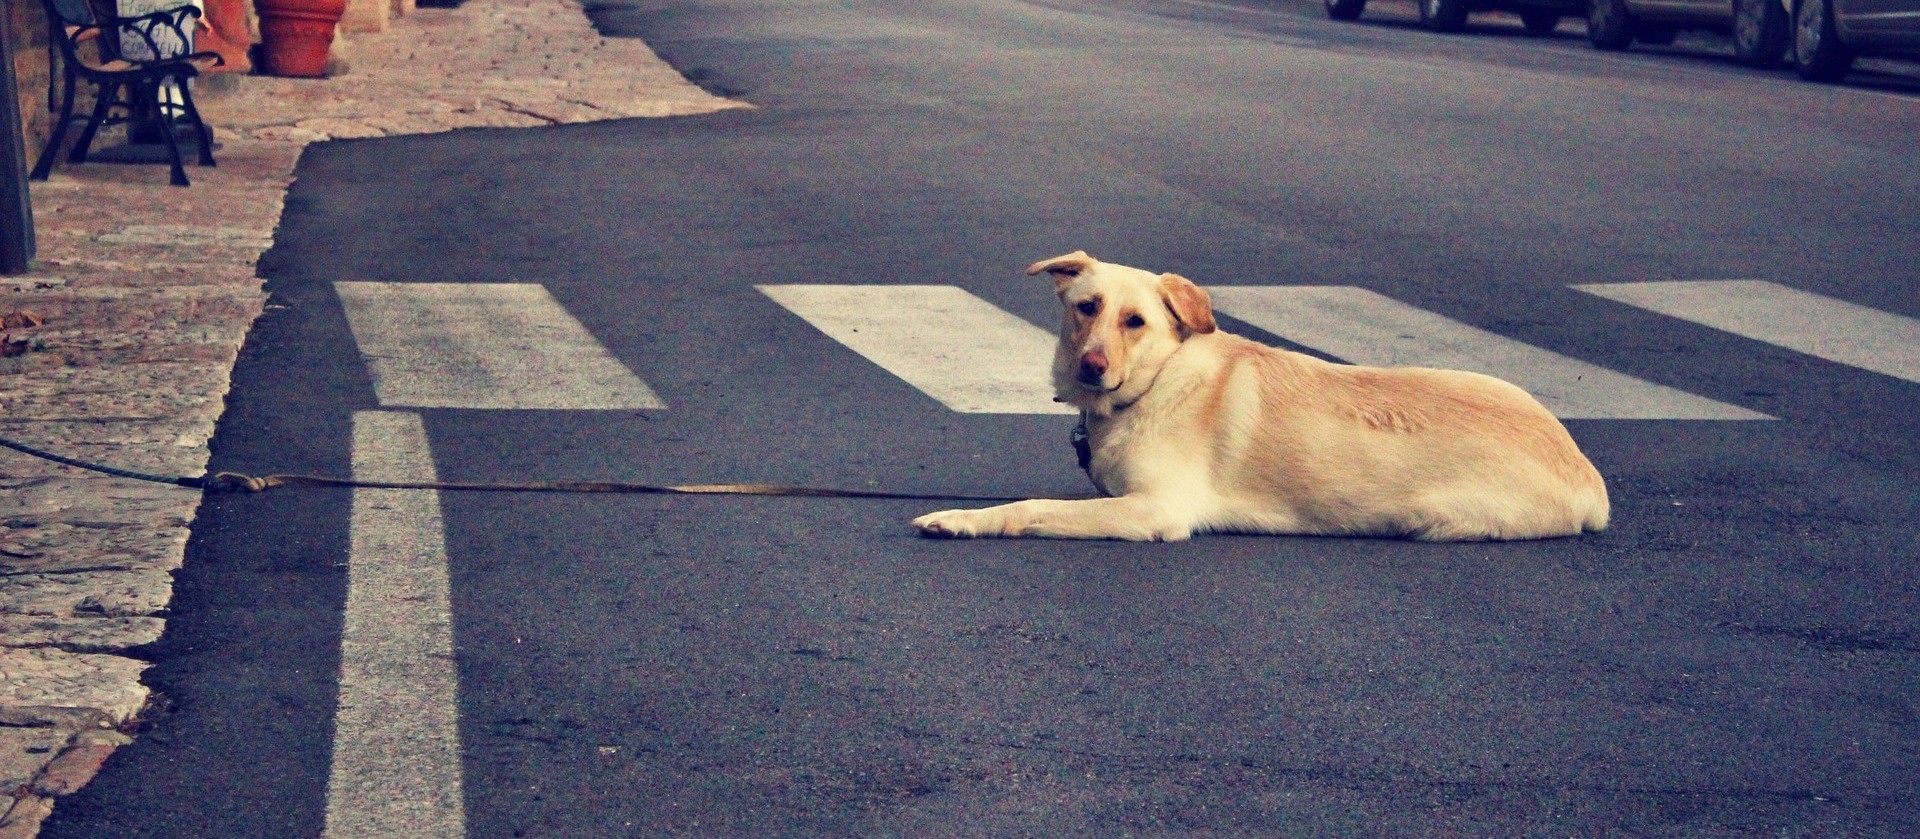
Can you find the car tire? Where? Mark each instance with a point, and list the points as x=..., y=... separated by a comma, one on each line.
x=1818, y=54
x=1609, y=24
x=1761, y=32
x=1444, y=15
x=1539, y=22
x=1345, y=9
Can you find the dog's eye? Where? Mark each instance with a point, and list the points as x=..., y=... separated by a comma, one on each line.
x=1087, y=307
x=1135, y=322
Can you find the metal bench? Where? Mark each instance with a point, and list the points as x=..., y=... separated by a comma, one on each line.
x=138, y=56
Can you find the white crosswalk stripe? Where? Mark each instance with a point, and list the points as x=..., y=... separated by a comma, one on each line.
x=1364, y=327
x=1820, y=326
x=957, y=348
x=484, y=345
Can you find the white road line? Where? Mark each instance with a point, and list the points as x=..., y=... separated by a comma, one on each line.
x=396, y=740
x=1835, y=330
x=1367, y=328
x=955, y=347
x=484, y=345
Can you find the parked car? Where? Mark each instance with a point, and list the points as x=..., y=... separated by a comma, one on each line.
x=1538, y=16
x=1761, y=29
x=1829, y=34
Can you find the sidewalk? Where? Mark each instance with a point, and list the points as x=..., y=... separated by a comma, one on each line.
x=147, y=291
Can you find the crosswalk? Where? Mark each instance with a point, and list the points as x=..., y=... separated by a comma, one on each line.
x=968, y=354
x=514, y=346
x=396, y=765
x=1363, y=327
x=1836, y=330
x=484, y=345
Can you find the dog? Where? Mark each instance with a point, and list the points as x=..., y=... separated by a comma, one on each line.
x=1190, y=429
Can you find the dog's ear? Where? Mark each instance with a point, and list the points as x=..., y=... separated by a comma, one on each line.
x=1190, y=304
x=1064, y=268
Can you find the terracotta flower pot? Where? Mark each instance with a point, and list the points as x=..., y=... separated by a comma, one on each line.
x=225, y=32
x=295, y=35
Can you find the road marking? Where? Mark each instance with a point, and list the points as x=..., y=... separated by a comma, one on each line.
x=396, y=737
x=1824, y=327
x=484, y=345
x=1367, y=328
x=955, y=347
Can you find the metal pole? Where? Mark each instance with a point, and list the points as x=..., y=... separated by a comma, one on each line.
x=16, y=205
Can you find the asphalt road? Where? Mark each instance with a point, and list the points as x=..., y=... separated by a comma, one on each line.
x=1736, y=656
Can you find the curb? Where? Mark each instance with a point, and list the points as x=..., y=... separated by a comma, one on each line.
x=140, y=300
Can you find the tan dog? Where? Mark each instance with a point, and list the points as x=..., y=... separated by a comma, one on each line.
x=1192, y=430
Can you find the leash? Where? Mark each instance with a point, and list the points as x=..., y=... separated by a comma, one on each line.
x=238, y=482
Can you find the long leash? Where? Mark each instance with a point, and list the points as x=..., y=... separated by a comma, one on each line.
x=238, y=482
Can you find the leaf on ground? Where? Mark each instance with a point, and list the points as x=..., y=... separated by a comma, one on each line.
x=21, y=319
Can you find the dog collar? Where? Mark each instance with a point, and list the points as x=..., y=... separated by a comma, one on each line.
x=1081, y=445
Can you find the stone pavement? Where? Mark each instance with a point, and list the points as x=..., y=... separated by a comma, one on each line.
x=119, y=343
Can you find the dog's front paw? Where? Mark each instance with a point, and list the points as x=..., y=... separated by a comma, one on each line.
x=955, y=524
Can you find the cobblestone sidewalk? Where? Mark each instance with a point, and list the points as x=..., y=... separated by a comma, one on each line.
x=119, y=344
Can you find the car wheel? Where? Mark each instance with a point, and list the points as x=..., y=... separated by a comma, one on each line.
x=1760, y=32
x=1444, y=15
x=1817, y=51
x=1345, y=9
x=1609, y=24
x=1539, y=21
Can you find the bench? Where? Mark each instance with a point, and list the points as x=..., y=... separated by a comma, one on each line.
x=129, y=62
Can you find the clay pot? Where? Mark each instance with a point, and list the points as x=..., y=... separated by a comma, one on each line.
x=295, y=35
x=225, y=32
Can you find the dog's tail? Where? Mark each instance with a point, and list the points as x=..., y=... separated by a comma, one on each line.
x=1593, y=506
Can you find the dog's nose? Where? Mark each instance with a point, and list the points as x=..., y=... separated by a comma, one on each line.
x=1093, y=366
